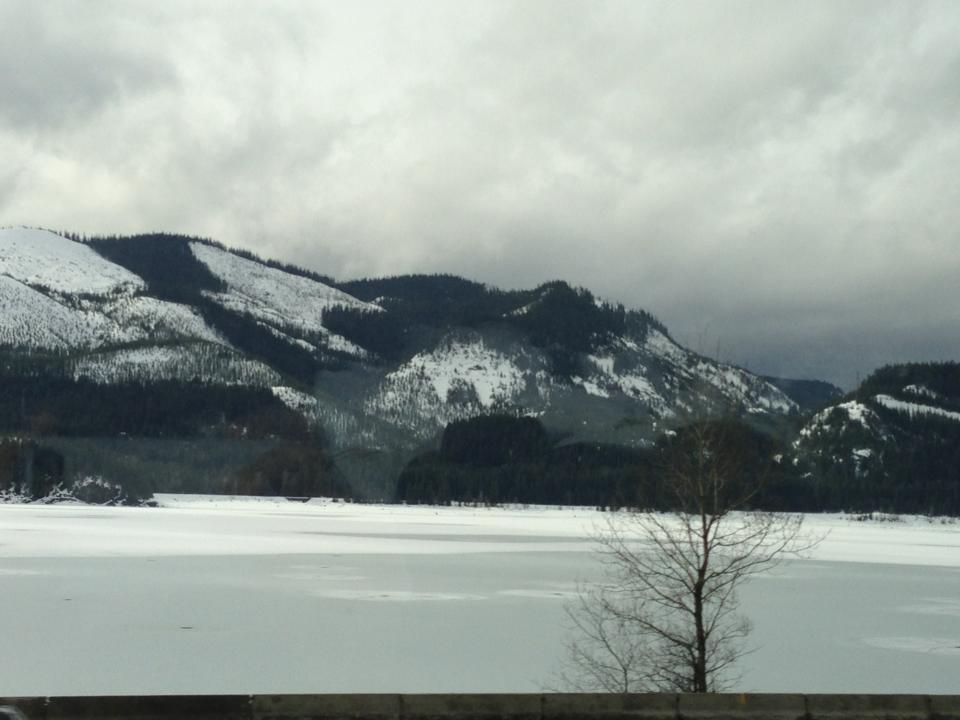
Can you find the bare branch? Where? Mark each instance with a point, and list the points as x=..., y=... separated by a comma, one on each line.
x=666, y=616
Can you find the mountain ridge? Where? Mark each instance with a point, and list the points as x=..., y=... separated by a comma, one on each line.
x=127, y=356
x=173, y=307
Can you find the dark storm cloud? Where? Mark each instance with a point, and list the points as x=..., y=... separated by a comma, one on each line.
x=775, y=181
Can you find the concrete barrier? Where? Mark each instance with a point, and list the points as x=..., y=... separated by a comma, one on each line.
x=639, y=706
x=743, y=706
x=324, y=707
x=654, y=706
x=869, y=707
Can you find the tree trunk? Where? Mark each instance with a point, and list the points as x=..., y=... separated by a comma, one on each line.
x=700, y=659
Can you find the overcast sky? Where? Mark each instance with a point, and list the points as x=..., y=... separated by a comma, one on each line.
x=779, y=182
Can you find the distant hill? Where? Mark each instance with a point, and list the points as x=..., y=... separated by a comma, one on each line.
x=893, y=444
x=807, y=394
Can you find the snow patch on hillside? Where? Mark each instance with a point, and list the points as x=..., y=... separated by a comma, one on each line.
x=913, y=409
x=590, y=387
x=459, y=378
x=30, y=319
x=45, y=259
x=606, y=379
x=205, y=363
x=491, y=375
x=161, y=320
x=279, y=298
x=921, y=391
x=735, y=384
x=841, y=418
x=656, y=343
x=295, y=399
x=742, y=387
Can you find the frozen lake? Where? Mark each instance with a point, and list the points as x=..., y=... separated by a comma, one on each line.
x=213, y=597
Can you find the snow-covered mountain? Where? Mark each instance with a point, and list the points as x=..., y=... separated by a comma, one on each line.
x=623, y=391
x=374, y=362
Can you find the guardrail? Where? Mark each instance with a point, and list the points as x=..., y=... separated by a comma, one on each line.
x=656, y=706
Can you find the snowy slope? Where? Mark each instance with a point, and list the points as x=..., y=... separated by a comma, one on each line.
x=886, y=430
x=278, y=298
x=160, y=320
x=630, y=365
x=851, y=412
x=57, y=294
x=735, y=384
x=201, y=361
x=461, y=377
x=912, y=409
x=848, y=433
x=45, y=259
x=653, y=377
x=30, y=319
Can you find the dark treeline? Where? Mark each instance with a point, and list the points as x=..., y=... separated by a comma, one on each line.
x=29, y=467
x=164, y=261
x=290, y=469
x=58, y=406
x=942, y=378
x=156, y=437
x=810, y=395
x=504, y=459
x=132, y=472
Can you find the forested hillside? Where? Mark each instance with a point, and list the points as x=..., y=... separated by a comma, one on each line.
x=418, y=388
x=893, y=445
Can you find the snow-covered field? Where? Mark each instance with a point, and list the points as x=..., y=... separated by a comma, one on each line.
x=218, y=596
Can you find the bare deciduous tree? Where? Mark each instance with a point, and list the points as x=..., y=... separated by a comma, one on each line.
x=666, y=616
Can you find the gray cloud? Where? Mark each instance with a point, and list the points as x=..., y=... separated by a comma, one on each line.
x=60, y=65
x=777, y=180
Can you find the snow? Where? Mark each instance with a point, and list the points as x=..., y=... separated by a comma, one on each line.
x=295, y=399
x=30, y=318
x=278, y=298
x=160, y=319
x=215, y=525
x=858, y=412
x=640, y=388
x=209, y=594
x=43, y=258
x=242, y=525
x=855, y=411
x=915, y=408
x=659, y=344
x=196, y=361
x=922, y=391
x=734, y=383
x=604, y=363
x=590, y=387
x=631, y=382
x=479, y=378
